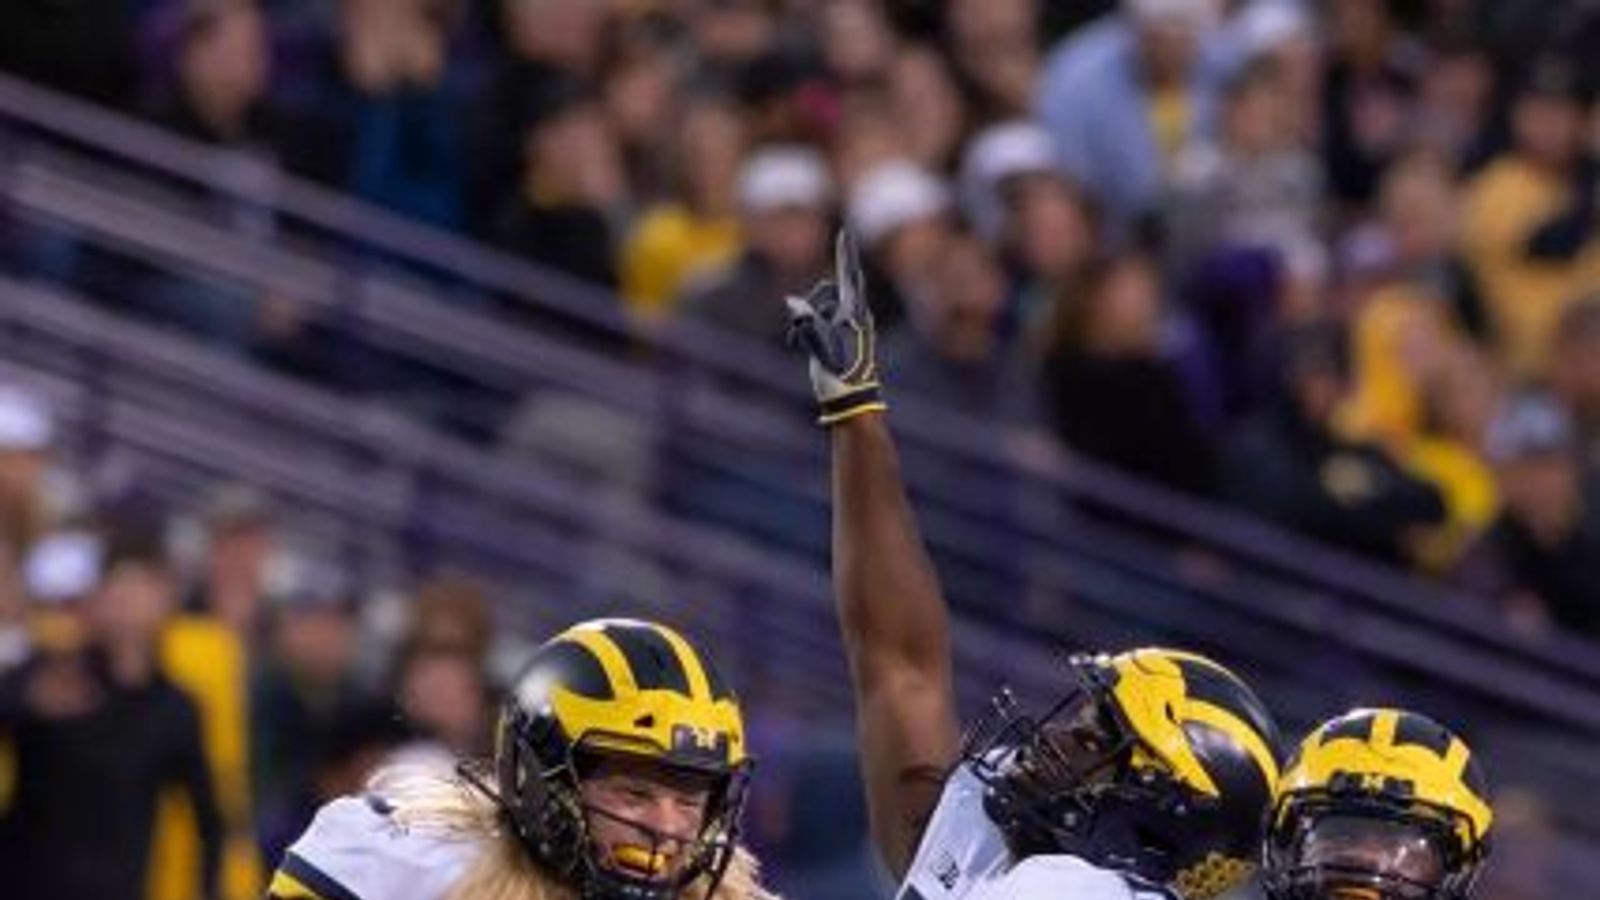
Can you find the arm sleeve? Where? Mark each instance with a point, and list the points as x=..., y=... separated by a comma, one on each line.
x=189, y=769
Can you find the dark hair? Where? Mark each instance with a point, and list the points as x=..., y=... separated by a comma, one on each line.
x=137, y=541
x=1260, y=72
x=552, y=98
x=1075, y=307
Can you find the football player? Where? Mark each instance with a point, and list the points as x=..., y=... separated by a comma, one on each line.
x=620, y=773
x=1378, y=804
x=1150, y=778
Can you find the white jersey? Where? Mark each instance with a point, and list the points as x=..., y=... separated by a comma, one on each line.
x=963, y=856
x=354, y=850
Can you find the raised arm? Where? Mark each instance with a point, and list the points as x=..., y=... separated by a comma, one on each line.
x=891, y=612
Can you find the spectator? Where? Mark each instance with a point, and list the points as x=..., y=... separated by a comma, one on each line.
x=951, y=350
x=207, y=653
x=541, y=45
x=785, y=200
x=1123, y=95
x=97, y=736
x=696, y=231
x=641, y=93
x=210, y=664
x=1527, y=232
x=443, y=697
x=1541, y=560
x=901, y=213
x=995, y=45
x=1291, y=466
x=572, y=183
x=927, y=105
x=304, y=693
x=220, y=96
x=398, y=96
x=1368, y=95
x=1112, y=395
x=1253, y=187
x=1014, y=194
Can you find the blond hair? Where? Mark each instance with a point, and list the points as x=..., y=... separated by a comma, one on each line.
x=431, y=798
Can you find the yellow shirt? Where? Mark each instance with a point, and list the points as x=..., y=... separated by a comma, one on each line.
x=207, y=662
x=1466, y=485
x=1525, y=297
x=1386, y=402
x=668, y=248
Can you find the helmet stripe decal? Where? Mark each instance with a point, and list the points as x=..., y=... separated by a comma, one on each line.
x=1456, y=756
x=1420, y=732
x=1234, y=727
x=689, y=661
x=1384, y=725
x=611, y=658
x=581, y=671
x=1207, y=682
x=651, y=659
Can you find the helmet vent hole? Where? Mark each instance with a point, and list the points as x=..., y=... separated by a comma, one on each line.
x=647, y=720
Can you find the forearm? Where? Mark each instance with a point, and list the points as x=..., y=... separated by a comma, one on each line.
x=889, y=599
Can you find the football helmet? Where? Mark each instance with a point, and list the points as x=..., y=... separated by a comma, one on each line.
x=618, y=687
x=1159, y=764
x=1382, y=804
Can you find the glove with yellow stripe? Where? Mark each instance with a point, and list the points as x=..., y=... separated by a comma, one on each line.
x=833, y=324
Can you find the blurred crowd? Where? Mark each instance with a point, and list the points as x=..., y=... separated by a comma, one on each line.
x=1334, y=263
x=1331, y=263
x=177, y=697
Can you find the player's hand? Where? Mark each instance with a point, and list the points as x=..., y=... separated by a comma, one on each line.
x=833, y=325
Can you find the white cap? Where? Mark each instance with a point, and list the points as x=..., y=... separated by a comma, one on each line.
x=783, y=176
x=63, y=566
x=1201, y=15
x=893, y=195
x=1017, y=147
x=1267, y=24
x=25, y=421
